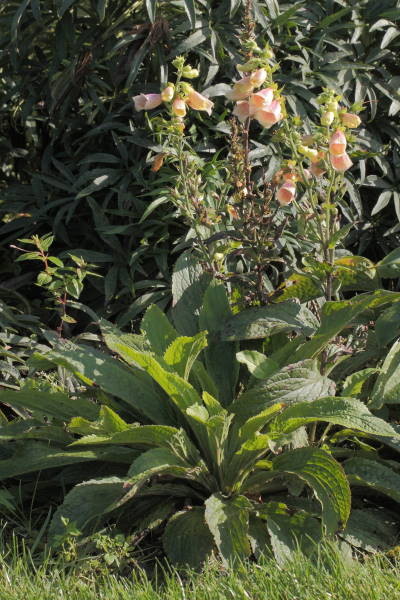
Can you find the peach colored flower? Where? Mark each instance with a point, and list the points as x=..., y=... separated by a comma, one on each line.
x=199, y=102
x=341, y=162
x=337, y=143
x=286, y=193
x=147, y=101
x=158, y=162
x=285, y=175
x=168, y=93
x=258, y=77
x=259, y=99
x=241, y=89
x=242, y=110
x=269, y=114
x=350, y=120
x=179, y=107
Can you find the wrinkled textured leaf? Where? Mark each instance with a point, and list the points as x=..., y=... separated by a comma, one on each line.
x=292, y=384
x=187, y=539
x=374, y=475
x=347, y=412
x=228, y=520
x=326, y=478
x=85, y=503
x=258, y=322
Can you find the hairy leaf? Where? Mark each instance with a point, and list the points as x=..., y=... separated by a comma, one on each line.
x=187, y=539
x=228, y=520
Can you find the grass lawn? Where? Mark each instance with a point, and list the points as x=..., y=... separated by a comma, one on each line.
x=328, y=577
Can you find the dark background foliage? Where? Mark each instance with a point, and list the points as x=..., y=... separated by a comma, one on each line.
x=75, y=156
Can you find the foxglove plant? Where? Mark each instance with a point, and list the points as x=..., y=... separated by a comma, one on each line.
x=244, y=221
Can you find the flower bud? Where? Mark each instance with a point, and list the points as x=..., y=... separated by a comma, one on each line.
x=190, y=73
x=179, y=107
x=327, y=118
x=147, y=101
x=168, y=93
x=337, y=143
x=258, y=77
x=286, y=193
x=350, y=120
x=332, y=106
x=341, y=162
x=310, y=153
x=248, y=66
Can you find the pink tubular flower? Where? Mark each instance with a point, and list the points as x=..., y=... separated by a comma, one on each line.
x=341, y=162
x=167, y=94
x=179, y=107
x=269, y=114
x=199, y=102
x=258, y=77
x=350, y=120
x=286, y=193
x=147, y=101
x=241, y=89
x=262, y=97
x=337, y=143
x=242, y=110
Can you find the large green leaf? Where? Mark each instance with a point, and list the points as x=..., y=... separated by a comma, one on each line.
x=347, y=412
x=326, y=478
x=142, y=435
x=390, y=265
x=34, y=429
x=289, y=531
x=35, y=456
x=372, y=474
x=338, y=315
x=187, y=539
x=237, y=465
x=387, y=326
x=228, y=520
x=157, y=329
x=259, y=365
x=85, y=503
x=370, y=529
x=53, y=404
x=387, y=385
x=259, y=322
x=178, y=389
x=133, y=385
x=189, y=283
x=220, y=357
x=290, y=385
x=183, y=352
